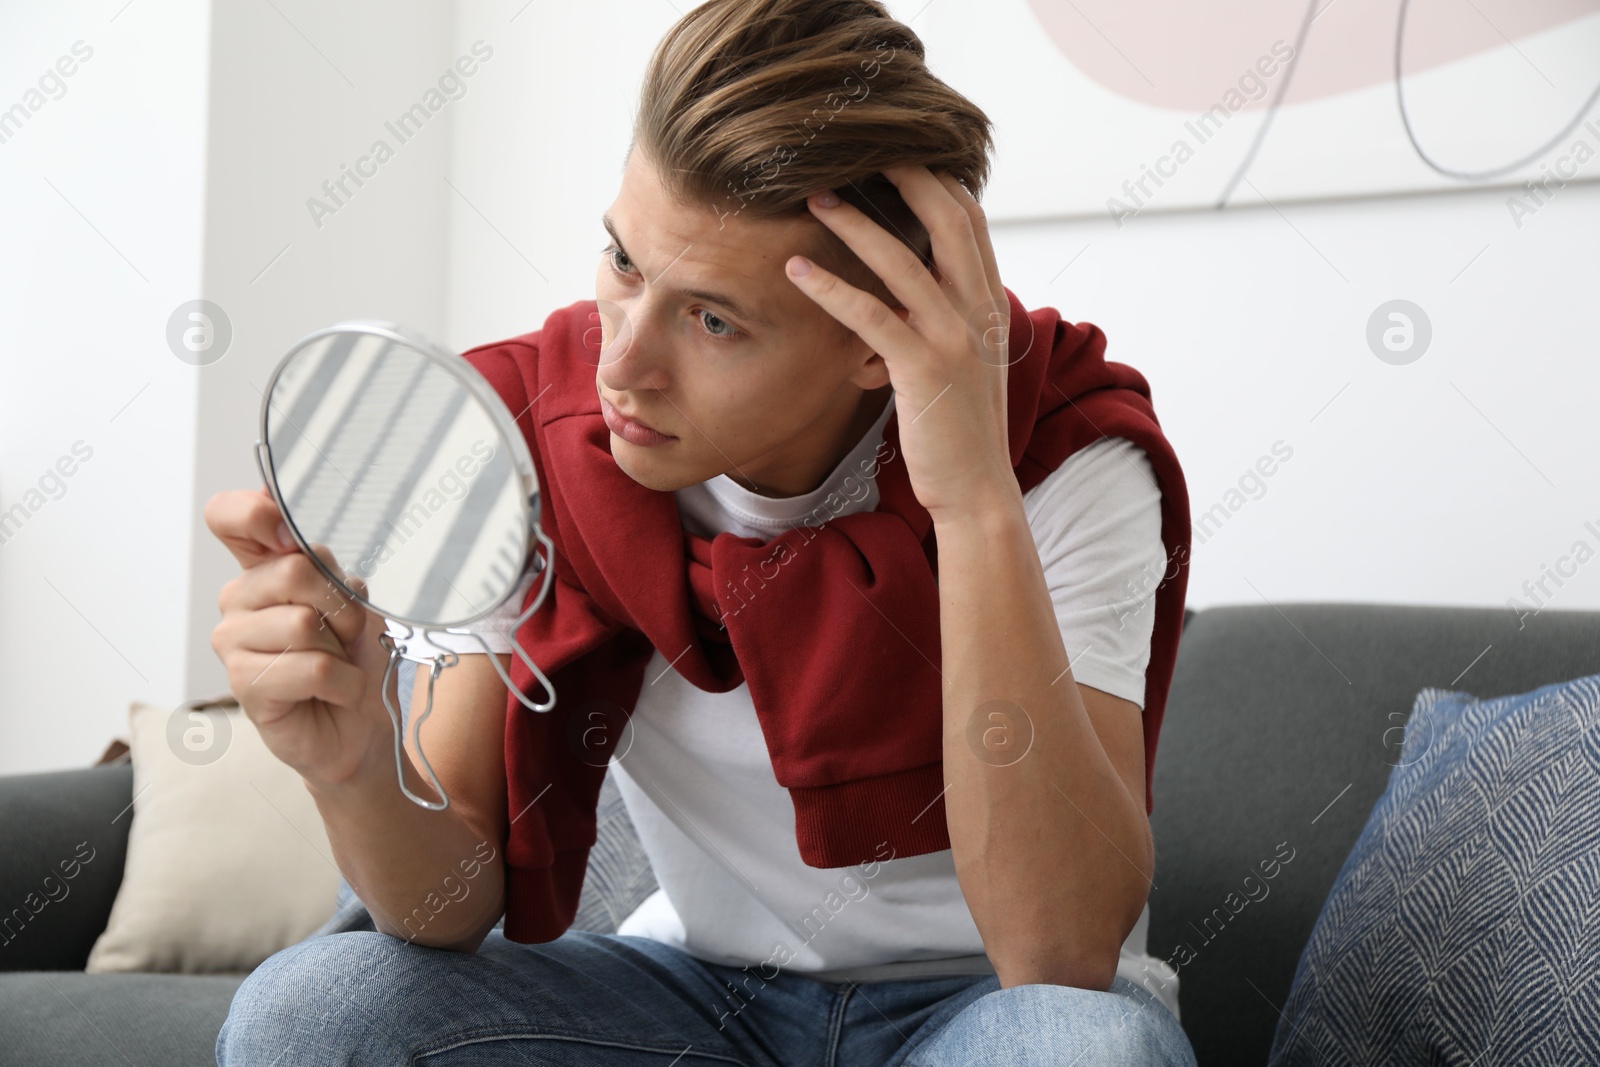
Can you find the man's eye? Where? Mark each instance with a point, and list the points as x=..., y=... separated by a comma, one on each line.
x=614, y=252
x=712, y=317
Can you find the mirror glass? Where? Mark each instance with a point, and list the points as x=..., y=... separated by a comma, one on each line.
x=402, y=460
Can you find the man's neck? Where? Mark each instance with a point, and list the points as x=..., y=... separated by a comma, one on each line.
x=869, y=407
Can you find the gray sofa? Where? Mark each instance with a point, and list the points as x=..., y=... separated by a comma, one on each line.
x=1281, y=728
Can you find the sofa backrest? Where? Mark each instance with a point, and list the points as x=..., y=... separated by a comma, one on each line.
x=1279, y=734
x=48, y=922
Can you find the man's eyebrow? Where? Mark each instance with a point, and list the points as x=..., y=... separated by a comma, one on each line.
x=740, y=311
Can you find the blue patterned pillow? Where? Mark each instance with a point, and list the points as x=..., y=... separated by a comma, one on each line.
x=1464, y=926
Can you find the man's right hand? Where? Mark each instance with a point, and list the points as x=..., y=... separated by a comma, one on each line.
x=303, y=659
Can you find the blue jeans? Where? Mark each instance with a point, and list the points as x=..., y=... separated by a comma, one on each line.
x=605, y=1000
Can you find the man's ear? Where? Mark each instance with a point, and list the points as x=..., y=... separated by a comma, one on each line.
x=874, y=373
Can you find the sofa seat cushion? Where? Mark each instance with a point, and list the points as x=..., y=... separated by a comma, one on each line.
x=1464, y=926
x=52, y=1018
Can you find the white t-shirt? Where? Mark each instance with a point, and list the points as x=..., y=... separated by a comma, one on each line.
x=698, y=782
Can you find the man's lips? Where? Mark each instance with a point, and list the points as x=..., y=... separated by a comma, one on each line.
x=629, y=427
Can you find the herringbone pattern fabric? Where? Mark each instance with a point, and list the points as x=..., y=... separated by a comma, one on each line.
x=619, y=875
x=1464, y=927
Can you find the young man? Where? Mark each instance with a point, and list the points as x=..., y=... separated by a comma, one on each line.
x=874, y=564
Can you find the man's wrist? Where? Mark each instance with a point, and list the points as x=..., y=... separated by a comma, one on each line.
x=369, y=780
x=992, y=511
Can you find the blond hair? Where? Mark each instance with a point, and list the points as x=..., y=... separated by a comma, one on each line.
x=749, y=106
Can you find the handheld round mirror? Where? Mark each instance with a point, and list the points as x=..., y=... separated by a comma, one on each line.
x=398, y=459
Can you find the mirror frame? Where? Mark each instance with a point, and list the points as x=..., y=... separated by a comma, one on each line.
x=479, y=389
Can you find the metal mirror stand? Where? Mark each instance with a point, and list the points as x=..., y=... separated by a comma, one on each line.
x=442, y=659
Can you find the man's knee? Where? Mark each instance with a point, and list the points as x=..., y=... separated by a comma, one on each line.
x=1123, y=1025
x=314, y=1001
x=1037, y=1024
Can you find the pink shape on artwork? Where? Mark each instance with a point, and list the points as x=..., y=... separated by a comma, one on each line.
x=1187, y=55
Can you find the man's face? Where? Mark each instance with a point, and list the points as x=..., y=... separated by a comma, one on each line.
x=753, y=388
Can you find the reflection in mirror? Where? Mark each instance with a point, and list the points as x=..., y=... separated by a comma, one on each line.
x=382, y=455
x=396, y=458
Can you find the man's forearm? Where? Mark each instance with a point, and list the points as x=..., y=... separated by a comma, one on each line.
x=1052, y=852
x=426, y=876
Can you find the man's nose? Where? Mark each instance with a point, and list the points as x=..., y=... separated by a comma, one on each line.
x=633, y=357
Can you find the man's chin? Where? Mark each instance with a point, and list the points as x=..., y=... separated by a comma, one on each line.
x=647, y=470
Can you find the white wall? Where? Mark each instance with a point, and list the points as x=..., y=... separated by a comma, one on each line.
x=193, y=137
x=1450, y=480
x=102, y=191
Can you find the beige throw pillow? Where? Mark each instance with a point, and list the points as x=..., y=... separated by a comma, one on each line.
x=228, y=861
